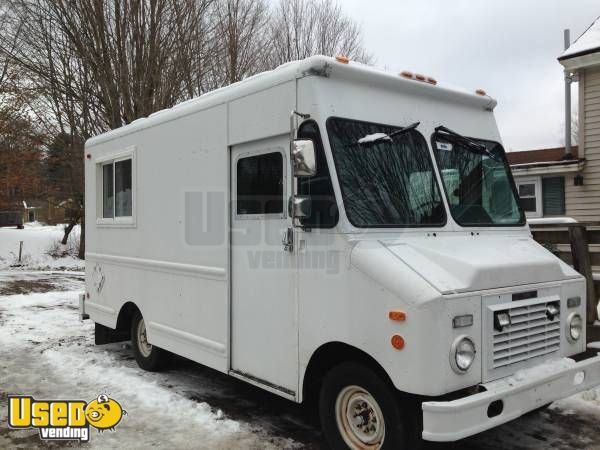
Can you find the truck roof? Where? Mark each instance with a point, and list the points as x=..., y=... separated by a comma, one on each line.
x=317, y=66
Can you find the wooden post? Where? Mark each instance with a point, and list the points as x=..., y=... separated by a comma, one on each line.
x=20, y=250
x=582, y=264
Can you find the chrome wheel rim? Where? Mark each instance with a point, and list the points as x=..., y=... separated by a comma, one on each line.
x=142, y=339
x=359, y=419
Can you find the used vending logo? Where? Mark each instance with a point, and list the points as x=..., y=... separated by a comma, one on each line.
x=64, y=419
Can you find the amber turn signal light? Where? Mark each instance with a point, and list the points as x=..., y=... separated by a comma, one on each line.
x=397, y=342
x=398, y=316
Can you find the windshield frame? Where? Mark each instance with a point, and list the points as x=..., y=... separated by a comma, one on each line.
x=431, y=163
x=522, y=220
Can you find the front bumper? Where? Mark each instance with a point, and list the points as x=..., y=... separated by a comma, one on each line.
x=510, y=397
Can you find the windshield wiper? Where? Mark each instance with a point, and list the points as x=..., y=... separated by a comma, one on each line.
x=477, y=147
x=378, y=137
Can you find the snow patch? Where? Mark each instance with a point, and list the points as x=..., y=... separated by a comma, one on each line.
x=374, y=137
x=546, y=368
x=38, y=240
x=589, y=40
x=48, y=352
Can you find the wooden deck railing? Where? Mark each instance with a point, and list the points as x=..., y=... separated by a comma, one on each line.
x=578, y=244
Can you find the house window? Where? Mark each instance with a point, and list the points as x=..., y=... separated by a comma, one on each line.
x=529, y=196
x=260, y=184
x=553, y=195
x=542, y=197
x=115, y=188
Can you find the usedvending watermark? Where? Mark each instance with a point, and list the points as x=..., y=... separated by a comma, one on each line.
x=59, y=420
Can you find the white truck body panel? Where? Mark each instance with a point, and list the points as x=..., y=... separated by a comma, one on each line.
x=211, y=291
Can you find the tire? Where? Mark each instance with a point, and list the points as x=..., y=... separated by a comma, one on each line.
x=353, y=387
x=149, y=357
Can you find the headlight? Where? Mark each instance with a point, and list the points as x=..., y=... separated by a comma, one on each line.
x=575, y=327
x=462, y=354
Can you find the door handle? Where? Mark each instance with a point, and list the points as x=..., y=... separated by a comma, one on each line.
x=288, y=240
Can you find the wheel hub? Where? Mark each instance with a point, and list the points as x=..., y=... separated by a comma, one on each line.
x=142, y=339
x=359, y=419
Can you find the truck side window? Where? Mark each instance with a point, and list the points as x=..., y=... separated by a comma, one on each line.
x=325, y=212
x=117, y=195
x=260, y=184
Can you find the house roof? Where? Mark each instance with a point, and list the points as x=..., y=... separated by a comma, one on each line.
x=588, y=42
x=544, y=155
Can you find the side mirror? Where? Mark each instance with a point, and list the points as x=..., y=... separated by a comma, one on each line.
x=300, y=206
x=304, y=161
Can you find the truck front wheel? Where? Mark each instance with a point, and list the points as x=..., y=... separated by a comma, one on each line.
x=149, y=357
x=359, y=410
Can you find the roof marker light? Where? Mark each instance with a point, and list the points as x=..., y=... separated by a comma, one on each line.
x=342, y=59
x=481, y=92
x=418, y=77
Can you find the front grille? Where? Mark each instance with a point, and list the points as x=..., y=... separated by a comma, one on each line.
x=531, y=334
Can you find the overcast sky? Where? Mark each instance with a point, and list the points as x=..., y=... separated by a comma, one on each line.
x=509, y=48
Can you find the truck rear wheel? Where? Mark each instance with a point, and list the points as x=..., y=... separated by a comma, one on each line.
x=149, y=357
x=359, y=410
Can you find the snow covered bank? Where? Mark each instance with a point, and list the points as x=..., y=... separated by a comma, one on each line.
x=38, y=241
x=48, y=353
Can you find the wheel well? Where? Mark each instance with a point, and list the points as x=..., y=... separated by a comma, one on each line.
x=125, y=316
x=328, y=356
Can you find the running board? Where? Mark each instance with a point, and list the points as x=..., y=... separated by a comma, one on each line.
x=267, y=386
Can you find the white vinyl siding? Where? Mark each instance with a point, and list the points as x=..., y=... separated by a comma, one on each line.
x=583, y=202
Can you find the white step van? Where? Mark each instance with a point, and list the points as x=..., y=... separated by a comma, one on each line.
x=332, y=232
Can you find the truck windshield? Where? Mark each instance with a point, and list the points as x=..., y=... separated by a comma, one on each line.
x=478, y=184
x=386, y=180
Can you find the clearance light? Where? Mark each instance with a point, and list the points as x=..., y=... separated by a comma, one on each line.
x=397, y=342
x=462, y=321
x=342, y=59
x=418, y=77
x=398, y=316
x=481, y=92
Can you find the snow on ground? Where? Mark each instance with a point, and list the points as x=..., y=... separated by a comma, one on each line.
x=38, y=240
x=47, y=352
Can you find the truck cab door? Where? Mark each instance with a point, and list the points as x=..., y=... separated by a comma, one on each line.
x=264, y=329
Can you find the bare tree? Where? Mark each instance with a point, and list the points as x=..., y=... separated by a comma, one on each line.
x=83, y=67
x=96, y=65
x=302, y=28
x=240, y=37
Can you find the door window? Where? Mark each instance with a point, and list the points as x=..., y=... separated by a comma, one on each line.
x=260, y=184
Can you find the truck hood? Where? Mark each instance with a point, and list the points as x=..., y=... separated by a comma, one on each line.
x=455, y=264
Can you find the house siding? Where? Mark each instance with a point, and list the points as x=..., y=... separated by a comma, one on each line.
x=583, y=202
